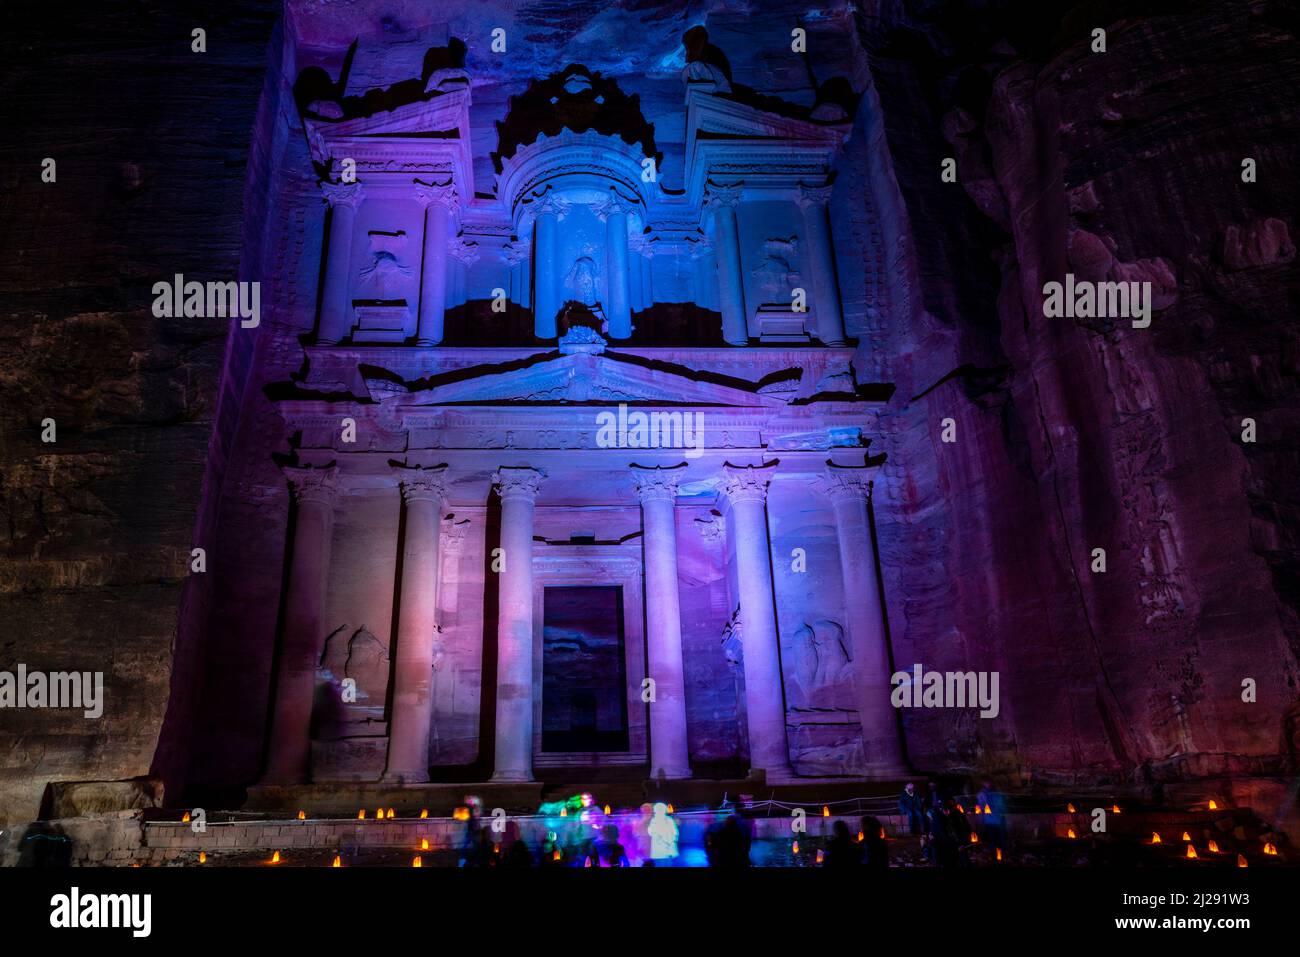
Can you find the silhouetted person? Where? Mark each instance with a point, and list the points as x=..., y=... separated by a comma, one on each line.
x=942, y=848
x=609, y=852
x=912, y=806
x=727, y=843
x=842, y=851
x=994, y=809
x=875, y=852
x=519, y=857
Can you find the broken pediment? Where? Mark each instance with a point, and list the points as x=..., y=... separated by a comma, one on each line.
x=575, y=378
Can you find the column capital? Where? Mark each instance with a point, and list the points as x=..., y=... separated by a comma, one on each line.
x=746, y=483
x=808, y=196
x=348, y=195
x=548, y=202
x=725, y=196
x=517, y=482
x=422, y=484
x=656, y=483
x=843, y=482
x=312, y=484
x=444, y=194
x=463, y=251
x=613, y=206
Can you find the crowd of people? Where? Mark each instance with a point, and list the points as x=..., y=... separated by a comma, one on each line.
x=941, y=822
x=583, y=840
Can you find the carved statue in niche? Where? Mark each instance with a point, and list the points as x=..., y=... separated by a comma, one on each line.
x=777, y=275
x=822, y=673
x=385, y=275
x=706, y=66
x=363, y=658
x=581, y=280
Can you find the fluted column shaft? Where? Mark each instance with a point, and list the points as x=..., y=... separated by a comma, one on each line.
x=439, y=203
x=289, y=748
x=849, y=489
x=546, y=275
x=336, y=299
x=408, y=742
x=669, y=757
x=619, y=313
x=829, y=311
x=731, y=280
x=746, y=490
x=514, y=712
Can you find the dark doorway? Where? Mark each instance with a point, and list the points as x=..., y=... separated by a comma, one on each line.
x=584, y=680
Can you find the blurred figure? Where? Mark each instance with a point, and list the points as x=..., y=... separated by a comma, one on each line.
x=609, y=852
x=727, y=843
x=842, y=851
x=663, y=837
x=875, y=852
x=519, y=857
x=912, y=807
x=994, y=807
x=942, y=847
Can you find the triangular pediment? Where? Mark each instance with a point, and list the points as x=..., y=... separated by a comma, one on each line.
x=711, y=116
x=572, y=379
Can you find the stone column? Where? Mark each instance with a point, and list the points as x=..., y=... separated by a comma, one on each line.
x=723, y=200
x=828, y=312
x=634, y=279
x=289, y=749
x=746, y=490
x=336, y=298
x=546, y=273
x=514, y=728
x=439, y=204
x=619, y=313
x=647, y=276
x=668, y=752
x=423, y=494
x=849, y=488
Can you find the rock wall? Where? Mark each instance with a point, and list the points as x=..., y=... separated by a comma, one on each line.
x=152, y=150
x=1073, y=435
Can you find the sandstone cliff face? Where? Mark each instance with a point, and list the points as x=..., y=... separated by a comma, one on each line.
x=151, y=143
x=1073, y=435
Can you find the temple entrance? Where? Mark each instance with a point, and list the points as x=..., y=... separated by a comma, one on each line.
x=588, y=656
x=584, y=681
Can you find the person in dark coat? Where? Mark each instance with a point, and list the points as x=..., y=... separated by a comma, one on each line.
x=875, y=850
x=912, y=806
x=842, y=850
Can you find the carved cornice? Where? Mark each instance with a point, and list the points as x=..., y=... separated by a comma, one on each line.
x=313, y=485
x=518, y=482
x=421, y=484
x=746, y=483
x=342, y=194
x=656, y=483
